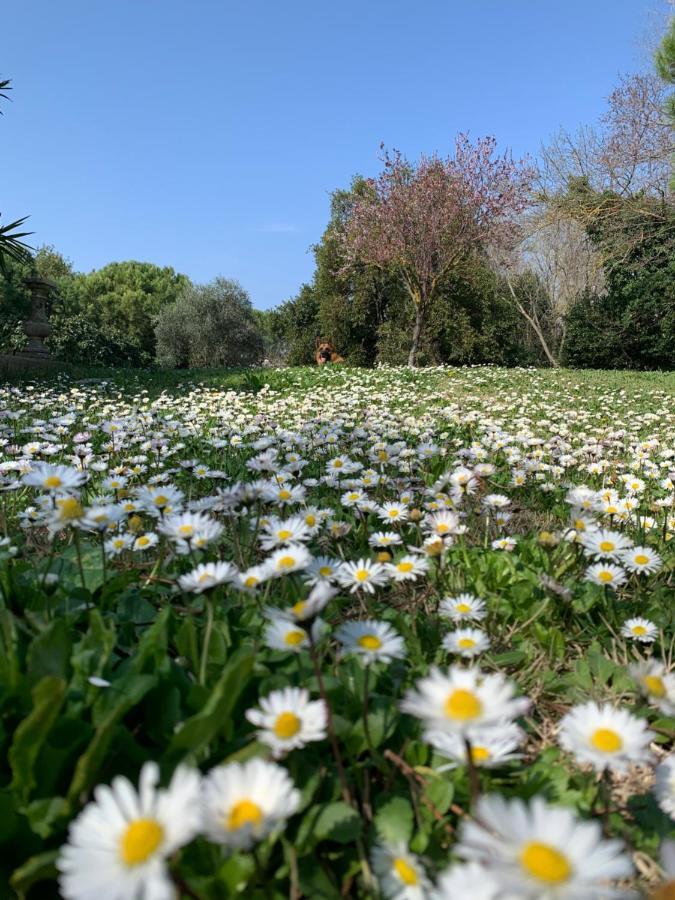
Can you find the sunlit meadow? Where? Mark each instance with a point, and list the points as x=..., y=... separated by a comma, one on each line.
x=338, y=633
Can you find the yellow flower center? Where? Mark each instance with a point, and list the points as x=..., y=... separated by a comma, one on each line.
x=463, y=608
x=545, y=863
x=462, y=705
x=654, y=685
x=140, y=840
x=70, y=509
x=383, y=455
x=369, y=642
x=310, y=520
x=325, y=571
x=205, y=576
x=611, y=510
x=361, y=575
x=284, y=494
x=187, y=530
x=53, y=482
x=294, y=638
x=639, y=629
x=251, y=581
x=466, y=643
x=286, y=562
x=405, y=872
x=394, y=513
x=479, y=754
x=143, y=541
x=161, y=500
x=286, y=726
x=246, y=812
x=640, y=559
x=405, y=567
x=442, y=528
x=337, y=464
x=298, y=607
x=606, y=740
x=607, y=546
x=284, y=534
x=605, y=576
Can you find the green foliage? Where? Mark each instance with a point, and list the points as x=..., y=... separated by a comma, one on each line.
x=210, y=325
x=633, y=324
x=665, y=66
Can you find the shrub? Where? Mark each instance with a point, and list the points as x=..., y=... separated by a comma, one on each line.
x=209, y=325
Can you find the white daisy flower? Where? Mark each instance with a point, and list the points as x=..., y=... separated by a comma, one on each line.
x=606, y=575
x=604, y=544
x=118, y=845
x=640, y=630
x=118, y=544
x=54, y=479
x=393, y=512
x=641, y=559
x=408, y=568
x=605, y=737
x=506, y=543
x=540, y=852
x=463, y=608
x=245, y=802
x=470, y=880
x=363, y=575
x=321, y=568
x=373, y=641
x=146, y=541
x=311, y=606
x=664, y=789
x=283, y=634
x=399, y=873
x=656, y=683
x=290, y=558
x=490, y=747
x=277, y=532
x=207, y=576
x=466, y=642
x=385, y=539
x=287, y=720
x=462, y=699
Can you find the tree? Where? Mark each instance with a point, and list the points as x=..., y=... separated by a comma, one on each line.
x=423, y=220
x=124, y=298
x=209, y=325
x=665, y=66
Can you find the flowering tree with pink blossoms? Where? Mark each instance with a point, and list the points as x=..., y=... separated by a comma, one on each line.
x=426, y=219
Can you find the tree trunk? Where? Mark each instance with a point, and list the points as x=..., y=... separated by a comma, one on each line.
x=535, y=326
x=416, y=335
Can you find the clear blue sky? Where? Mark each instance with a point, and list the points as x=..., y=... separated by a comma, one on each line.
x=208, y=134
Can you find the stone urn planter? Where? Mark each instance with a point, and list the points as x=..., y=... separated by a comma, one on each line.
x=37, y=326
x=35, y=356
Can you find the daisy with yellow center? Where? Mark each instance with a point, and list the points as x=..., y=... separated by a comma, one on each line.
x=461, y=699
x=605, y=737
x=639, y=629
x=287, y=720
x=534, y=850
x=371, y=640
x=362, y=575
x=490, y=747
x=656, y=683
x=400, y=874
x=463, y=607
x=466, y=642
x=244, y=802
x=123, y=838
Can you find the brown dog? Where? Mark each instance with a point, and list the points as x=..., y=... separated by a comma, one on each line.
x=326, y=353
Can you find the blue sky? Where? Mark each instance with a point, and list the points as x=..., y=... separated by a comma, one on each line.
x=208, y=135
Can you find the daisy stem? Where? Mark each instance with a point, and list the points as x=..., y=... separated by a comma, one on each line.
x=472, y=772
x=78, y=551
x=104, y=569
x=207, y=640
x=346, y=795
x=366, y=726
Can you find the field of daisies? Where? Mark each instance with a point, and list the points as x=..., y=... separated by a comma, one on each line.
x=338, y=633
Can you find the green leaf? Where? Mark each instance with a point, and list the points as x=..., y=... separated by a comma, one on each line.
x=45, y=814
x=329, y=822
x=128, y=692
x=9, y=662
x=49, y=653
x=37, y=868
x=199, y=730
x=394, y=820
x=30, y=734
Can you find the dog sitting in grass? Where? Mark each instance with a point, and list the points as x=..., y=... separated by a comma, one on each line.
x=326, y=353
